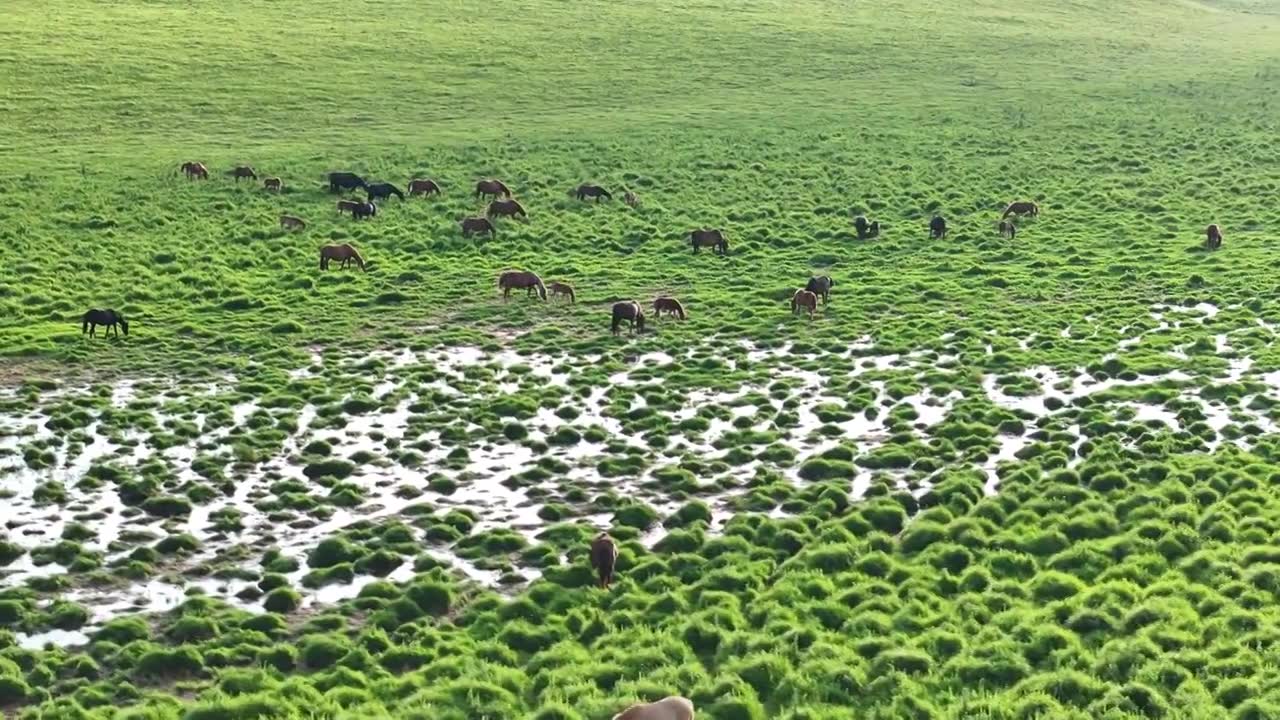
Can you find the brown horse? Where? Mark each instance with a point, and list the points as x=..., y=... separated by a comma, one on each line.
x=195, y=170
x=486, y=188
x=289, y=222
x=1213, y=237
x=561, y=288
x=671, y=305
x=422, y=186
x=516, y=279
x=627, y=311
x=349, y=206
x=344, y=252
x=672, y=707
x=631, y=199
x=242, y=171
x=477, y=226
x=604, y=556
x=592, y=191
x=804, y=300
x=506, y=208
x=273, y=184
x=1021, y=208
x=1008, y=229
x=820, y=285
x=713, y=239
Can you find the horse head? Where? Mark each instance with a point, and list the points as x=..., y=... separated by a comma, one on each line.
x=124, y=324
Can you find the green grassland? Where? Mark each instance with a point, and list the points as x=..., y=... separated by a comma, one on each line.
x=1122, y=567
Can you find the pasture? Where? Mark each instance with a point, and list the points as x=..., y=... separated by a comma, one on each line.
x=990, y=478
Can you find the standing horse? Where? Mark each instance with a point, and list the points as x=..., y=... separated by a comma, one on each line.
x=380, y=191
x=604, y=557
x=820, y=285
x=562, y=288
x=273, y=184
x=804, y=300
x=344, y=252
x=506, y=208
x=516, y=279
x=348, y=206
x=363, y=210
x=709, y=238
x=1008, y=229
x=627, y=311
x=339, y=181
x=195, y=170
x=861, y=225
x=1021, y=208
x=672, y=707
x=486, y=188
x=631, y=199
x=289, y=222
x=592, y=191
x=113, y=320
x=937, y=227
x=477, y=226
x=420, y=186
x=1213, y=237
x=874, y=230
x=242, y=171
x=671, y=305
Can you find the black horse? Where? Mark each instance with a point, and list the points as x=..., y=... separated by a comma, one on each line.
x=866, y=229
x=379, y=191
x=339, y=181
x=363, y=210
x=937, y=227
x=110, y=318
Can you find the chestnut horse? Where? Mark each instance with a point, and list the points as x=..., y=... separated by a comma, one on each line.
x=289, y=222
x=1213, y=237
x=937, y=227
x=195, y=170
x=560, y=288
x=804, y=300
x=592, y=191
x=506, y=208
x=709, y=238
x=631, y=199
x=1008, y=229
x=242, y=171
x=272, y=183
x=604, y=556
x=671, y=305
x=477, y=226
x=421, y=186
x=485, y=188
x=820, y=285
x=344, y=252
x=627, y=311
x=1021, y=208
x=516, y=279
x=113, y=320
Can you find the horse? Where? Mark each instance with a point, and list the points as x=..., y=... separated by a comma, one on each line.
x=592, y=191
x=378, y=191
x=420, y=186
x=604, y=556
x=1021, y=208
x=627, y=311
x=820, y=285
x=804, y=300
x=669, y=304
x=242, y=171
x=937, y=227
x=1213, y=237
x=561, y=288
x=709, y=238
x=631, y=199
x=874, y=230
x=672, y=707
x=195, y=170
x=339, y=181
x=348, y=205
x=861, y=225
x=477, y=226
x=113, y=320
x=1008, y=229
x=485, y=188
x=344, y=252
x=289, y=222
x=272, y=183
x=516, y=279
x=363, y=210
x=506, y=208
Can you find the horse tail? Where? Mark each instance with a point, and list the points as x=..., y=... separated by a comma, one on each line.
x=679, y=309
x=572, y=297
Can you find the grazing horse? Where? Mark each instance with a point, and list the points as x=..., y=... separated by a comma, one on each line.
x=379, y=191
x=516, y=279
x=631, y=199
x=363, y=210
x=592, y=191
x=242, y=171
x=671, y=305
x=709, y=238
x=1008, y=229
x=604, y=556
x=477, y=226
x=561, y=288
x=348, y=206
x=861, y=225
x=344, y=252
x=420, y=186
x=90, y=321
x=820, y=285
x=804, y=300
x=874, y=230
x=672, y=707
x=627, y=311
x=272, y=183
x=339, y=181
x=937, y=227
x=195, y=170
x=1213, y=237
x=1021, y=208
x=485, y=188
x=506, y=208
x=289, y=222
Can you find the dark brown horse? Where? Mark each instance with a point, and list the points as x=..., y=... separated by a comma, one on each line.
x=344, y=252
x=113, y=320
x=627, y=311
x=713, y=239
x=289, y=222
x=195, y=170
x=604, y=557
x=670, y=305
x=494, y=188
x=1213, y=237
x=820, y=285
x=937, y=227
x=506, y=208
x=592, y=191
x=631, y=199
x=1008, y=229
x=363, y=210
x=273, y=184
x=517, y=279
x=477, y=226
x=1021, y=208
x=562, y=288
x=422, y=186
x=242, y=171
x=804, y=300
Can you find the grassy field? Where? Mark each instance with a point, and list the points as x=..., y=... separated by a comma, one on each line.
x=992, y=478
